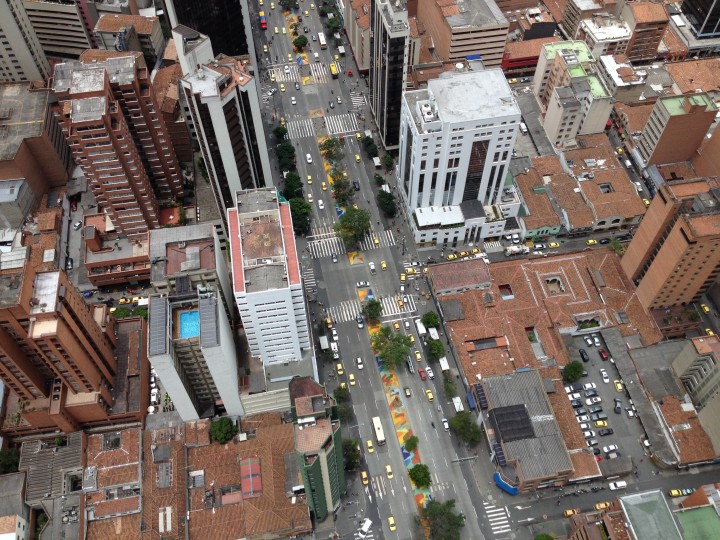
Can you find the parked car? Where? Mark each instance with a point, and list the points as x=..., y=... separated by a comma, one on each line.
x=446, y=425
x=422, y=374
x=610, y=448
x=595, y=409
x=605, y=377
x=618, y=406
x=598, y=416
x=605, y=432
x=596, y=340
x=681, y=492
x=430, y=373
x=603, y=354
x=588, y=386
x=584, y=355
x=620, y=484
x=576, y=403
x=593, y=400
x=77, y=225
x=588, y=433
x=588, y=340
x=591, y=393
x=408, y=392
x=580, y=412
x=583, y=418
x=618, y=386
x=574, y=396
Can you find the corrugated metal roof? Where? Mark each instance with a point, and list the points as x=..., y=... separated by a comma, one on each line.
x=158, y=340
x=209, y=336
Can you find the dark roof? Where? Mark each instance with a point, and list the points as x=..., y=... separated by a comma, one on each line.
x=540, y=30
x=302, y=387
x=512, y=423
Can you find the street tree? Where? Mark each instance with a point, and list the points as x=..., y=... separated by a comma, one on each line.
x=436, y=349
x=430, y=320
x=372, y=150
x=351, y=452
x=300, y=42
x=372, y=310
x=293, y=186
x=464, y=427
x=333, y=25
x=388, y=161
x=365, y=141
x=280, y=132
x=544, y=536
x=386, y=203
x=301, y=213
x=449, y=387
x=379, y=179
x=343, y=191
x=573, y=371
x=332, y=149
x=391, y=347
x=287, y=4
x=444, y=522
x=353, y=226
x=420, y=475
x=341, y=394
x=411, y=443
x=345, y=412
x=286, y=149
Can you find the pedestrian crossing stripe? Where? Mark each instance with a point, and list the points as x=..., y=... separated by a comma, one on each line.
x=293, y=74
x=341, y=123
x=385, y=237
x=320, y=72
x=325, y=247
x=349, y=309
x=498, y=518
x=322, y=230
x=357, y=99
x=297, y=129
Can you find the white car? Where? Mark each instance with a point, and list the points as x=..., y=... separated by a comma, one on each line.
x=287, y=68
x=576, y=395
x=593, y=400
x=361, y=284
x=611, y=448
x=584, y=426
x=620, y=484
x=321, y=205
x=583, y=418
x=293, y=101
x=605, y=376
x=588, y=340
x=430, y=373
x=596, y=340
x=445, y=424
x=359, y=363
x=588, y=433
x=589, y=386
x=334, y=334
x=308, y=158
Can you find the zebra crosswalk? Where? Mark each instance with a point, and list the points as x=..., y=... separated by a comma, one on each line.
x=325, y=247
x=349, y=309
x=345, y=311
x=497, y=518
x=297, y=129
x=385, y=239
x=341, y=123
x=357, y=99
x=308, y=277
x=292, y=74
x=320, y=73
x=492, y=246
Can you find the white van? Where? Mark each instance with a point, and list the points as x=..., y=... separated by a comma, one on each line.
x=317, y=57
x=628, y=164
x=365, y=528
x=620, y=484
x=523, y=128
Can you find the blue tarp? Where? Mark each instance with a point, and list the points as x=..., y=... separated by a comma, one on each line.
x=502, y=484
x=471, y=401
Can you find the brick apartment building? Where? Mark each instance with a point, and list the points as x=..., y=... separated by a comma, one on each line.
x=111, y=119
x=648, y=22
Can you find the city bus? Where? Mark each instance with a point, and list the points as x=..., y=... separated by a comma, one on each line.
x=377, y=428
x=333, y=70
x=321, y=39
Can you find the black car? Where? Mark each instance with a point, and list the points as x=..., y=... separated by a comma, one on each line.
x=297, y=86
x=580, y=412
x=356, y=185
x=598, y=416
x=69, y=264
x=605, y=241
x=595, y=409
x=576, y=403
x=596, y=451
x=584, y=355
x=604, y=432
x=618, y=406
x=591, y=393
x=334, y=257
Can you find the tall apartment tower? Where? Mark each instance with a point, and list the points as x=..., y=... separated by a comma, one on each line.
x=224, y=103
x=21, y=54
x=54, y=356
x=703, y=16
x=267, y=285
x=388, y=66
x=191, y=343
x=116, y=132
x=222, y=20
x=59, y=26
x=318, y=445
x=674, y=256
x=454, y=155
x=676, y=128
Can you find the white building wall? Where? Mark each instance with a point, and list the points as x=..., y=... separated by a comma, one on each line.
x=222, y=363
x=596, y=113
x=18, y=38
x=164, y=365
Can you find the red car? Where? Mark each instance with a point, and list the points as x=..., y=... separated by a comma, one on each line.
x=422, y=374
x=603, y=354
x=73, y=206
x=349, y=72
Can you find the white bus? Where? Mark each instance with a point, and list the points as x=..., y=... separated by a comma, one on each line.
x=377, y=428
x=321, y=39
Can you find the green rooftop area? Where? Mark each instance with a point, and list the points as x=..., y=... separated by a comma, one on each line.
x=596, y=87
x=649, y=516
x=576, y=72
x=578, y=48
x=699, y=523
x=675, y=105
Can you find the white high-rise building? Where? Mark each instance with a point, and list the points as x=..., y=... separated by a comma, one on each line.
x=456, y=141
x=21, y=55
x=267, y=285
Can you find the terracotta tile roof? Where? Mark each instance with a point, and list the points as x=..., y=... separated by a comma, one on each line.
x=541, y=209
x=584, y=463
x=459, y=274
x=8, y=524
x=527, y=49
x=696, y=74
x=690, y=439
x=100, y=55
x=648, y=12
x=170, y=53
x=565, y=416
x=633, y=117
x=363, y=15
x=114, y=23
x=676, y=171
x=116, y=527
x=564, y=187
x=675, y=46
x=313, y=438
x=165, y=87
x=557, y=8
x=622, y=201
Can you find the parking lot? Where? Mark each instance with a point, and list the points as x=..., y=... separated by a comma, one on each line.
x=627, y=432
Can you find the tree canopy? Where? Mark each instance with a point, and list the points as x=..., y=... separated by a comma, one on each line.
x=341, y=394
x=301, y=213
x=430, y=320
x=372, y=310
x=386, y=203
x=573, y=371
x=351, y=452
x=462, y=424
x=223, y=430
x=392, y=347
x=293, y=186
x=444, y=522
x=300, y=42
x=332, y=149
x=343, y=191
x=420, y=475
x=353, y=226
x=436, y=349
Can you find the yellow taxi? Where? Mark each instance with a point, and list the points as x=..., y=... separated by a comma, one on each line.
x=705, y=309
x=463, y=254
x=618, y=386
x=339, y=368
x=512, y=81
x=400, y=303
x=277, y=30
x=357, y=135
x=265, y=48
x=261, y=3
x=272, y=5
x=343, y=385
x=474, y=251
x=364, y=478
x=602, y=505
x=411, y=271
x=324, y=186
x=282, y=87
x=554, y=245
x=418, y=356
x=383, y=265
x=309, y=179
x=429, y=395
x=124, y=301
x=402, y=278
x=452, y=257
x=136, y=300
x=709, y=332
x=337, y=57
x=396, y=326
x=357, y=158
x=570, y=512
x=376, y=241
x=312, y=6
x=601, y=423
x=370, y=447
x=306, y=13
x=646, y=202
x=351, y=378
x=412, y=339
x=591, y=242
x=391, y=523
x=619, y=151
x=272, y=77
x=290, y=57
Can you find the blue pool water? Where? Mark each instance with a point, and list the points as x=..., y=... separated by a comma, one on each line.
x=189, y=324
